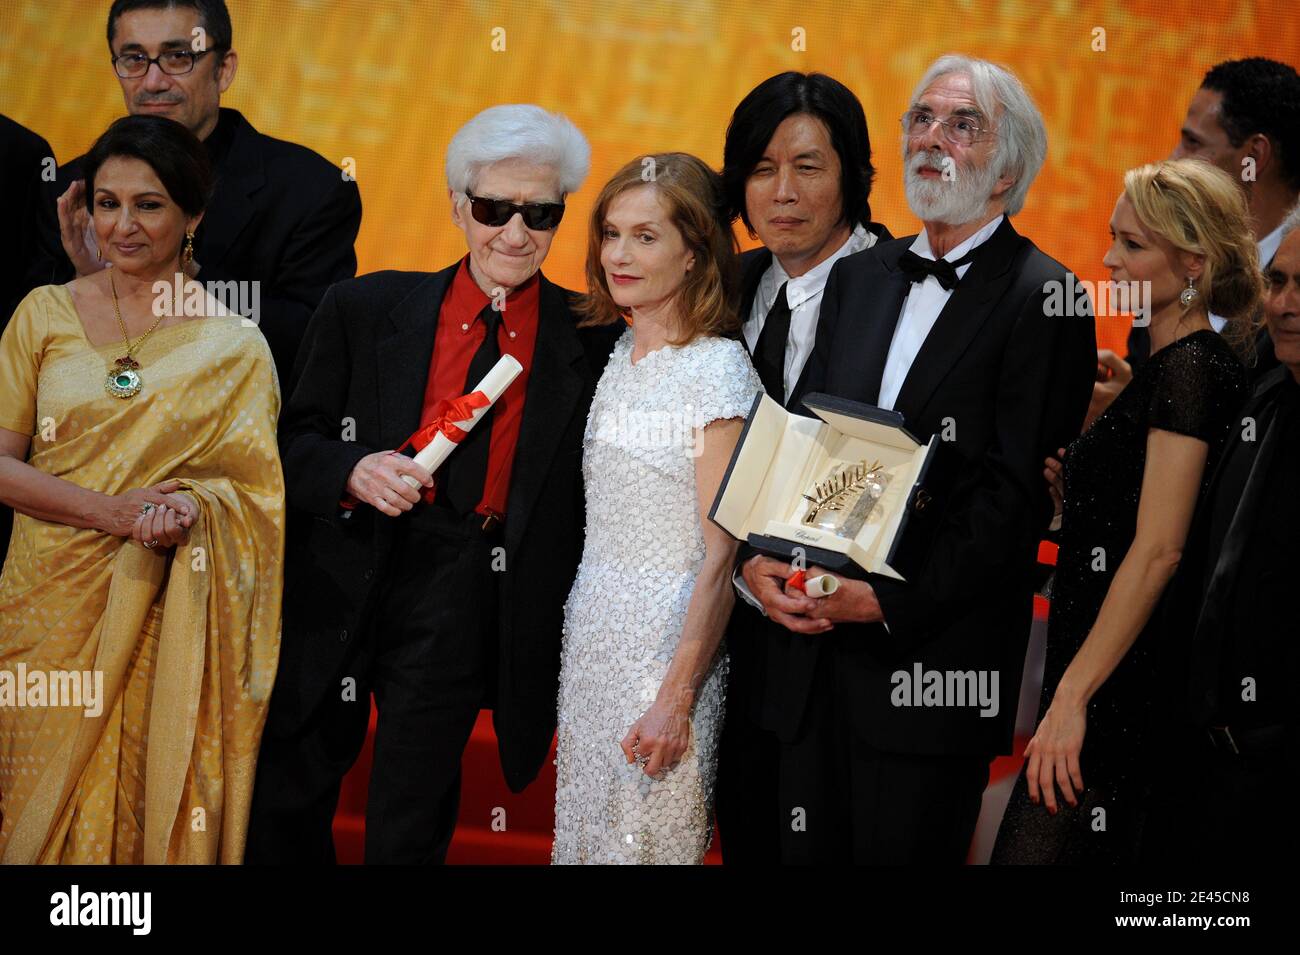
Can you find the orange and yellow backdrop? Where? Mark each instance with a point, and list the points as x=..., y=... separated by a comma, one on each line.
x=387, y=83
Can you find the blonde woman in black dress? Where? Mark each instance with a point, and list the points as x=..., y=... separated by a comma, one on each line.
x=1129, y=485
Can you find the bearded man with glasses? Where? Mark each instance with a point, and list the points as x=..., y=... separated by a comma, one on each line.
x=446, y=597
x=281, y=215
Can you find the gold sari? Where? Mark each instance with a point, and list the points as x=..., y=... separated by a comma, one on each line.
x=186, y=640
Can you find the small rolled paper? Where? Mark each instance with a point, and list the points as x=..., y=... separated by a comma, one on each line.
x=823, y=585
x=457, y=418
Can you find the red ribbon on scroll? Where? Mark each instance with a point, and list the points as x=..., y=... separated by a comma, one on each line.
x=445, y=415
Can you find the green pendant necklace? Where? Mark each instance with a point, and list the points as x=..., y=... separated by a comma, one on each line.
x=124, y=380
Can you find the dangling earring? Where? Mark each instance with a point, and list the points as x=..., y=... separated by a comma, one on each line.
x=1189, y=294
x=99, y=254
x=187, y=253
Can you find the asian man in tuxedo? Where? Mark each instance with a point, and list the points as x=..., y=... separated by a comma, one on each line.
x=797, y=171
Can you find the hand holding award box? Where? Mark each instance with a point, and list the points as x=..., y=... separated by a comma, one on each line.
x=849, y=490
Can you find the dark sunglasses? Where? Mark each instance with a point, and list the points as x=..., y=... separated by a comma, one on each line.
x=542, y=216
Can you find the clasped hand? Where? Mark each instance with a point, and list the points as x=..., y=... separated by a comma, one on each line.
x=854, y=602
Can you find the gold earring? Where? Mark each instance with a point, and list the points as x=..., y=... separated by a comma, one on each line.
x=99, y=254
x=187, y=253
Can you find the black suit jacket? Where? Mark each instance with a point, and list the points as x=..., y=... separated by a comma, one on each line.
x=1014, y=384
x=22, y=161
x=280, y=214
x=1243, y=587
x=22, y=155
x=366, y=358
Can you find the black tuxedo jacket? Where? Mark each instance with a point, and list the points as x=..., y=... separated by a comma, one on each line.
x=1012, y=385
x=280, y=215
x=365, y=360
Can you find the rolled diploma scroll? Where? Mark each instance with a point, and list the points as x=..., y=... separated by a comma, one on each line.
x=493, y=385
x=822, y=585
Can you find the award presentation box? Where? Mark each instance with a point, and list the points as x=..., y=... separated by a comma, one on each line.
x=781, y=456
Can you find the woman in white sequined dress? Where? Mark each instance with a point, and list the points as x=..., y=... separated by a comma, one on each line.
x=642, y=674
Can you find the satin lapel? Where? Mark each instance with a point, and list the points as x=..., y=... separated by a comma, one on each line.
x=555, y=384
x=403, y=357
x=962, y=317
x=882, y=311
x=231, y=208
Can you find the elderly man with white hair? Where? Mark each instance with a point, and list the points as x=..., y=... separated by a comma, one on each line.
x=882, y=760
x=445, y=597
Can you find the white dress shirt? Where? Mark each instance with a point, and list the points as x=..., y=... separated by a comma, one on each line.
x=925, y=300
x=804, y=296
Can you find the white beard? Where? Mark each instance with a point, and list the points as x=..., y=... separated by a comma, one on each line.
x=955, y=201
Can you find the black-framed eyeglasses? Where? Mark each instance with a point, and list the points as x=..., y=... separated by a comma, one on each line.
x=539, y=216
x=132, y=66
x=959, y=130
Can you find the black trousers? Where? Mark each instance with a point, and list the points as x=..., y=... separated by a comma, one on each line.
x=746, y=804
x=1215, y=807
x=845, y=802
x=429, y=656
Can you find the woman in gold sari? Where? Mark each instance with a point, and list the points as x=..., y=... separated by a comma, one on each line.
x=137, y=446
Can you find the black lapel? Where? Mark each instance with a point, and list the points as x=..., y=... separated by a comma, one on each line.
x=555, y=384
x=752, y=266
x=404, y=354
x=962, y=317
x=882, y=311
x=885, y=292
x=231, y=208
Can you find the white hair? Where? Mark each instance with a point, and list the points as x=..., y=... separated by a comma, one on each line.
x=1021, y=144
x=1291, y=222
x=518, y=131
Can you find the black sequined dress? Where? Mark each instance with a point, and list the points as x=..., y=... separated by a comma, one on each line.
x=1192, y=386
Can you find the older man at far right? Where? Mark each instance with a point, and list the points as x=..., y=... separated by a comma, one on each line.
x=951, y=329
x=1233, y=751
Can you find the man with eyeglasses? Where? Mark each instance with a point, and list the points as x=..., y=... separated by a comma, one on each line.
x=281, y=215
x=446, y=597
x=949, y=328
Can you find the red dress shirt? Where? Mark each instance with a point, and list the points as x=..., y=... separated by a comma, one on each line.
x=459, y=334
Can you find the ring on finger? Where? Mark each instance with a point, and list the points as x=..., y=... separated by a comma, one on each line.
x=146, y=507
x=151, y=544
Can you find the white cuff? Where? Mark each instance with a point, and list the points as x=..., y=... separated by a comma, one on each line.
x=742, y=588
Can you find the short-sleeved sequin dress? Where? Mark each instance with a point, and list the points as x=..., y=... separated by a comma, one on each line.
x=624, y=616
x=1192, y=386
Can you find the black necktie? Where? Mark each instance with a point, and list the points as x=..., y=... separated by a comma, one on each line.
x=466, y=468
x=916, y=268
x=769, y=350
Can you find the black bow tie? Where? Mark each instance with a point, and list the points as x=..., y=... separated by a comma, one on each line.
x=917, y=268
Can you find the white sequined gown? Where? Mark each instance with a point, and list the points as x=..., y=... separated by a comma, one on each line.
x=624, y=616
